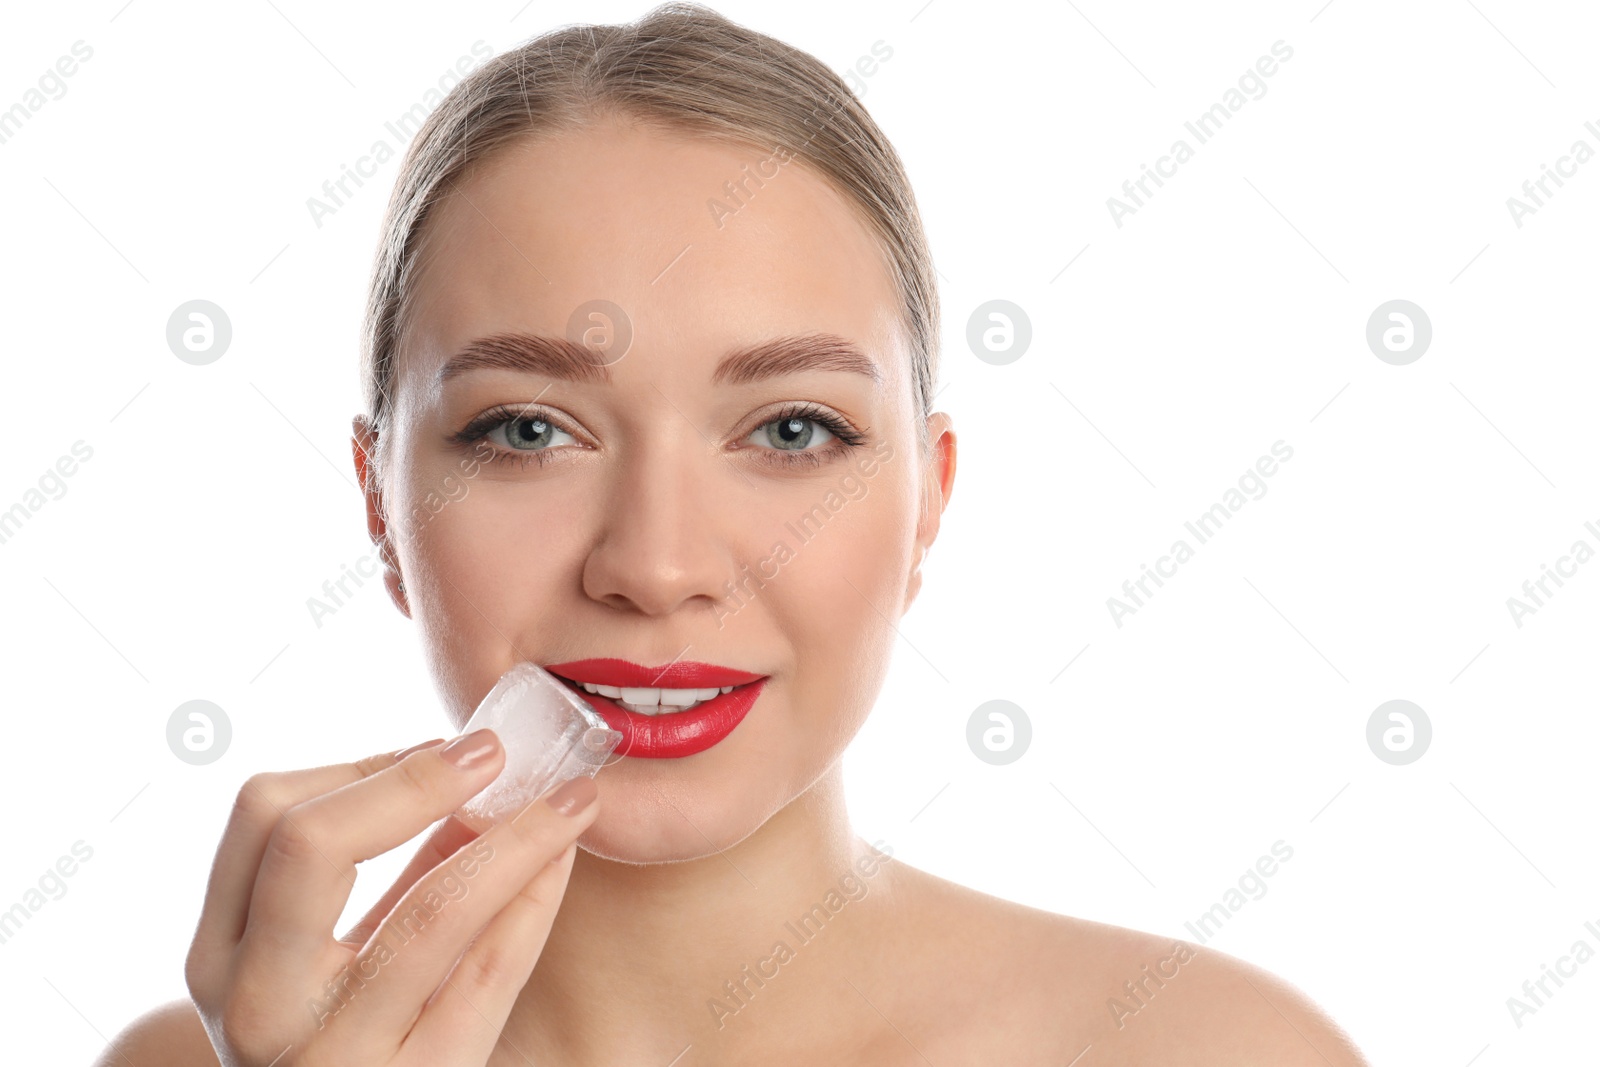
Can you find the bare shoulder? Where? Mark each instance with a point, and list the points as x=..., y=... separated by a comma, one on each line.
x=1163, y=997
x=168, y=1035
x=1057, y=986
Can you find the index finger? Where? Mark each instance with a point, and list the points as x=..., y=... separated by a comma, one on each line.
x=308, y=869
x=260, y=803
x=442, y=843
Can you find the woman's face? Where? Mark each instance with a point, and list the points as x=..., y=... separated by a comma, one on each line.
x=652, y=503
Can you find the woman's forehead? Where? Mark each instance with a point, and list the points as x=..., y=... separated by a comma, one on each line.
x=697, y=243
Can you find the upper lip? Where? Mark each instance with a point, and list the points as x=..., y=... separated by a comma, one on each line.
x=679, y=674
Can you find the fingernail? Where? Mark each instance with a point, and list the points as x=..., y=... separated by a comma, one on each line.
x=404, y=752
x=469, y=750
x=573, y=796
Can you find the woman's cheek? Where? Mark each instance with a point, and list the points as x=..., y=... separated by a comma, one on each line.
x=475, y=583
x=854, y=580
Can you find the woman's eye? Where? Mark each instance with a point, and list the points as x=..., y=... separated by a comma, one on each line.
x=792, y=434
x=528, y=435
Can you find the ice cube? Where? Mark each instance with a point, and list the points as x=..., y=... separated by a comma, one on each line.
x=550, y=735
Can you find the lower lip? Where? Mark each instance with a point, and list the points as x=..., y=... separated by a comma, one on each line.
x=675, y=734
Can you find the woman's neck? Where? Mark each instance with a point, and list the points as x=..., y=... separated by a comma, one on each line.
x=644, y=960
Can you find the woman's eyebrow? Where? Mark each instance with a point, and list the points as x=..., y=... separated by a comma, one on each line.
x=530, y=353
x=794, y=355
x=557, y=357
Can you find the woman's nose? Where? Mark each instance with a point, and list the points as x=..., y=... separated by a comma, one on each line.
x=665, y=543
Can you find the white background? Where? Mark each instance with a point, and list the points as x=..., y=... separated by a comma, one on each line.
x=1226, y=314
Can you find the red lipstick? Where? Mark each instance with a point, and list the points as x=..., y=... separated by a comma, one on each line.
x=668, y=735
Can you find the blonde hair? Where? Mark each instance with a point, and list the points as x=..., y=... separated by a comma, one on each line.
x=682, y=68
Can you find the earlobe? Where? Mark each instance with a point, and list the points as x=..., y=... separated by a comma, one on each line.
x=398, y=592
x=363, y=449
x=913, y=587
x=938, y=480
x=363, y=446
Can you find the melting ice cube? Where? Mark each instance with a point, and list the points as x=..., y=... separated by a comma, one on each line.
x=550, y=735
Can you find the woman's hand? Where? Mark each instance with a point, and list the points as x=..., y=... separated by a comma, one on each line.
x=272, y=983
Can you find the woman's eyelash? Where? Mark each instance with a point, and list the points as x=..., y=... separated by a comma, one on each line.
x=822, y=417
x=480, y=426
x=478, y=429
x=846, y=435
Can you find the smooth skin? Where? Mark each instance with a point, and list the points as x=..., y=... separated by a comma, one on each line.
x=621, y=539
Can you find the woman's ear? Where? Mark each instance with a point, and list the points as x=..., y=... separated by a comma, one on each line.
x=937, y=481
x=363, y=449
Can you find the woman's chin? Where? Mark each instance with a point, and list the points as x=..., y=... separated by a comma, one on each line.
x=651, y=835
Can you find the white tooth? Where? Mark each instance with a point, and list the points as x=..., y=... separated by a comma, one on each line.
x=590, y=687
x=641, y=696
x=608, y=691
x=679, y=698
x=706, y=694
x=657, y=709
x=726, y=689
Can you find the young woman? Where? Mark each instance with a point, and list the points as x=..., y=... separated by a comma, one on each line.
x=651, y=348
